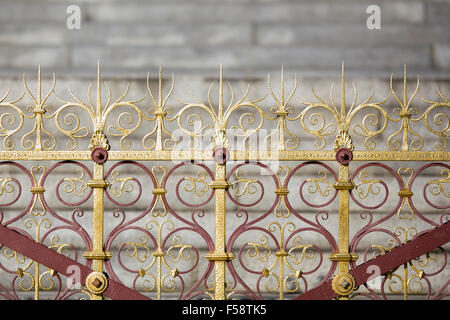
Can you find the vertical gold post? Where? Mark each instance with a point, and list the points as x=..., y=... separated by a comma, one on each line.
x=38, y=112
x=36, y=279
x=282, y=115
x=343, y=186
x=343, y=223
x=343, y=283
x=219, y=256
x=160, y=113
x=159, y=254
x=158, y=283
x=405, y=114
x=36, y=190
x=97, y=242
x=98, y=255
x=220, y=184
x=36, y=267
x=281, y=278
x=281, y=255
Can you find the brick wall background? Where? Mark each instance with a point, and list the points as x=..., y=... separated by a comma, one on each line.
x=247, y=36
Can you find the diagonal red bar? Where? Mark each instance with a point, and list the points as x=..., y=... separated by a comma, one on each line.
x=394, y=258
x=60, y=263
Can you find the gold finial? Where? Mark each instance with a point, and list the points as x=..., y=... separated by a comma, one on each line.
x=39, y=84
x=282, y=85
x=220, y=93
x=404, y=85
x=160, y=86
x=342, y=92
x=99, y=92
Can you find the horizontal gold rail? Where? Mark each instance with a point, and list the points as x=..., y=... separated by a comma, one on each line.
x=303, y=155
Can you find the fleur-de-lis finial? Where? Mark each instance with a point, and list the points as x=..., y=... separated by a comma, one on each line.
x=220, y=114
x=38, y=109
x=221, y=117
x=282, y=111
x=405, y=113
x=99, y=91
x=343, y=113
x=160, y=112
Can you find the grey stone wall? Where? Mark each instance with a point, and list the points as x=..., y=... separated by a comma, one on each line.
x=247, y=36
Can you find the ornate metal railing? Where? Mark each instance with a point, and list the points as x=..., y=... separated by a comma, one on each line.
x=247, y=198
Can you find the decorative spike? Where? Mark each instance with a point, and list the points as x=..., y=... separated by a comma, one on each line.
x=404, y=86
x=172, y=86
x=220, y=115
x=160, y=87
x=342, y=92
x=282, y=85
x=271, y=91
x=294, y=90
x=150, y=91
x=39, y=85
x=99, y=93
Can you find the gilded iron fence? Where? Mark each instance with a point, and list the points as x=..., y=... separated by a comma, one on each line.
x=223, y=201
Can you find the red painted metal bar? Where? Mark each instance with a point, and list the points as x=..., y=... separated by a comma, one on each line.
x=396, y=257
x=60, y=263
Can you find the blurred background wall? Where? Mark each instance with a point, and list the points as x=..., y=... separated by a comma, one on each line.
x=247, y=36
